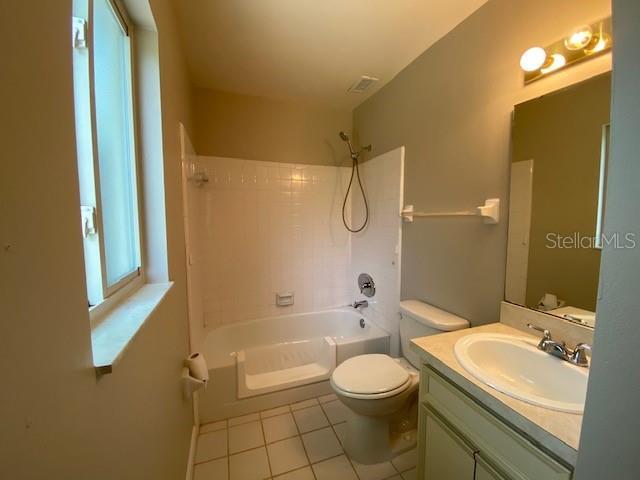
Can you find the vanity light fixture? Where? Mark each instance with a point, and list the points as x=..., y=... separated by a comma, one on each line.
x=555, y=62
x=583, y=43
x=579, y=39
x=533, y=59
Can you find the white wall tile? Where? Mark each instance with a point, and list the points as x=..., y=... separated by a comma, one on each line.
x=259, y=228
x=265, y=227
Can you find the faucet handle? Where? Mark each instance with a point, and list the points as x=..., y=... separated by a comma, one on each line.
x=546, y=333
x=579, y=355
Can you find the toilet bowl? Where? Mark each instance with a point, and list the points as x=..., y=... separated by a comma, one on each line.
x=381, y=392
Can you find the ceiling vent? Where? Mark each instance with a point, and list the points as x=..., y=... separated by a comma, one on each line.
x=362, y=85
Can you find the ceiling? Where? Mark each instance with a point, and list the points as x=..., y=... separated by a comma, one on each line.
x=311, y=50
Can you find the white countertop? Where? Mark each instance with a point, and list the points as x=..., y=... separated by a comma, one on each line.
x=558, y=432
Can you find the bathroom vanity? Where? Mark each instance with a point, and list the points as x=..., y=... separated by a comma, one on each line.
x=469, y=430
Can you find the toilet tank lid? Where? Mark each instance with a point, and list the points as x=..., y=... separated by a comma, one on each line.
x=432, y=316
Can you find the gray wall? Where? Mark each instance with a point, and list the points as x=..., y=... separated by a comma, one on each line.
x=257, y=128
x=609, y=442
x=451, y=108
x=57, y=421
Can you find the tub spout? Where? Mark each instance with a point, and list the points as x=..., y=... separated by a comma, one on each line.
x=362, y=303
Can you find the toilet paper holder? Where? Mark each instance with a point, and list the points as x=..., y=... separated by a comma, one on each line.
x=191, y=384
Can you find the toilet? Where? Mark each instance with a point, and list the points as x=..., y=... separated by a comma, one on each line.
x=381, y=392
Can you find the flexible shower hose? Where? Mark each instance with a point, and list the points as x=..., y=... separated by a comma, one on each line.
x=355, y=170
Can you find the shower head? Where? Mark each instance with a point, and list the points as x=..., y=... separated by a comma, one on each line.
x=345, y=138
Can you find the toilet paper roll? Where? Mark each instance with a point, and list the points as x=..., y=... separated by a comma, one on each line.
x=198, y=366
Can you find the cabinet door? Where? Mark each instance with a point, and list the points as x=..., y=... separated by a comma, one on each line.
x=484, y=471
x=447, y=456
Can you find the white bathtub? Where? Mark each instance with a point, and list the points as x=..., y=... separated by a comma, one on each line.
x=265, y=363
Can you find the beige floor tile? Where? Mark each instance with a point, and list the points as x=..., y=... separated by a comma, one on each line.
x=304, y=404
x=341, y=431
x=328, y=398
x=405, y=461
x=336, y=411
x=334, y=469
x=213, y=427
x=311, y=418
x=250, y=465
x=211, y=445
x=321, y=444
x=410, y=474
x=245, y=437
x=286, y=455
x=377, y=471
x=252, y=417
x=302, y=474
x=279, y=428
x=275, y=411
x=213, y=470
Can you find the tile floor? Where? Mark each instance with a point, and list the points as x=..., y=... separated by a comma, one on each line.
x=302, y=441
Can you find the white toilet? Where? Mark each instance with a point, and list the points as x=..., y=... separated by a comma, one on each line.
x=381, y=391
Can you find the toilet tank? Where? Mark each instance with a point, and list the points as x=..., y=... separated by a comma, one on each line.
x=419, y=319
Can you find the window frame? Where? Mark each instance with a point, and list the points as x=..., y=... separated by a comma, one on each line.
x=126, y=285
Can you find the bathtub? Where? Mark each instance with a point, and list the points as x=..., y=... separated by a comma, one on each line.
x=261, y=364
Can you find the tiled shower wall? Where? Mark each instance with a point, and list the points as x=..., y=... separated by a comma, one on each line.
x=262, y=228
x=376, y=250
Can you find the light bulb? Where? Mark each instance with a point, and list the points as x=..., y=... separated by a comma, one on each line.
x=533, y=59
x=601, y=44
x=579, y=39
x=557, y=61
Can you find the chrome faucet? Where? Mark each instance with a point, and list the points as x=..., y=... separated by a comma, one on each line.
x=361, y=303
x=579, y=355
x=548, y=345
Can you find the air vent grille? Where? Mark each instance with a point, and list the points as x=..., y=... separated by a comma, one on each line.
x=363, y=84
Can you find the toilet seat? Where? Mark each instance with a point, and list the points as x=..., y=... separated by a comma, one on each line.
x=370, y=377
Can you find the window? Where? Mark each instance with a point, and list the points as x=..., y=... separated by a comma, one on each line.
x=105, y=131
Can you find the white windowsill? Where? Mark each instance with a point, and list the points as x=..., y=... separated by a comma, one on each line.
x=114, y=330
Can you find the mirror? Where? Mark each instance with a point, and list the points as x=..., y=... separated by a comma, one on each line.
x=560, y=146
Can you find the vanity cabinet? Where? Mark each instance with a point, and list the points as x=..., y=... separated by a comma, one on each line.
x=484, y=471
x=447, y=454
x=458, y=439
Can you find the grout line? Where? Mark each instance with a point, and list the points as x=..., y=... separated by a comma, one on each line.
x=345, y=453
x=341, y=454
x=303, y=446
x=299, y=435
x=228, y=454
x=295, y=470
x=398, y=472
x=266, y=452
x=249, y=449
x=210, y=460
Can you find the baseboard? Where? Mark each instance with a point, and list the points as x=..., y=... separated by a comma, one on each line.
x=192, y=451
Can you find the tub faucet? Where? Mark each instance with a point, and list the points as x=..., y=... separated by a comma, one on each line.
x=361, y=303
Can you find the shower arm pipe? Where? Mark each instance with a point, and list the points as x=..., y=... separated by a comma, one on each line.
x=490, y=212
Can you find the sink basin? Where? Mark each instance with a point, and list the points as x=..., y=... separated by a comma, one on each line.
x=514, y=366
